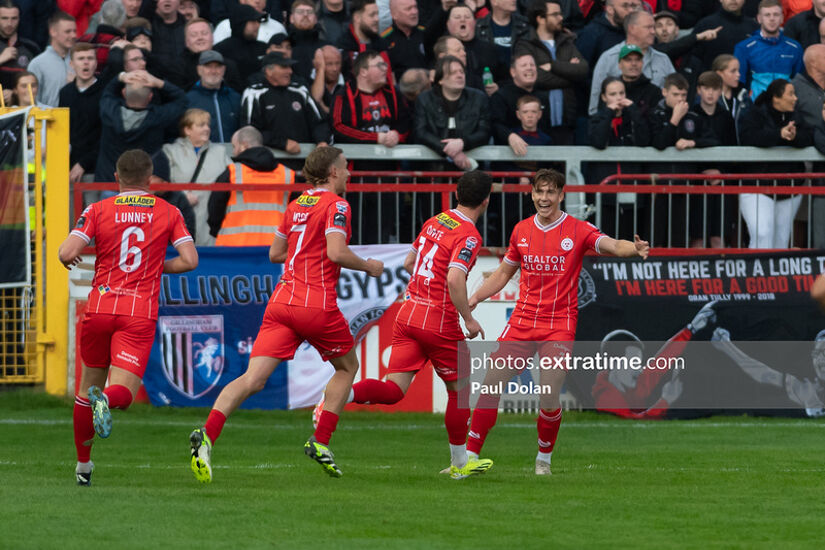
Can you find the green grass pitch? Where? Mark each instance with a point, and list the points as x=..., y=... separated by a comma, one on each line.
x=712, y=483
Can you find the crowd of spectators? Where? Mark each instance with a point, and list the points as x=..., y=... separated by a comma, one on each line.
x=171, y=76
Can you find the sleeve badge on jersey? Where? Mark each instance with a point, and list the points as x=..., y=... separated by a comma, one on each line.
x=471, y=243
x=103, y=289
x=339, y=220
x=567, y=244
x=465, y=255
x=81, y=221
x=342, y=207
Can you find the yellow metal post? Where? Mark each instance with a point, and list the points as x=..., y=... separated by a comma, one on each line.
x=54, y=339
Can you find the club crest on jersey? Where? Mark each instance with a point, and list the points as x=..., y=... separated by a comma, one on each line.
x=567, y=244
x=342, y=207
x=471, y=243
x=136, y=200
x=307, y=200
x=447, y=221
x=192, y=352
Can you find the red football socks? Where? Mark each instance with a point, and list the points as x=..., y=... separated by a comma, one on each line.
x=84, y=431
x=548, y=424
x=326, y=425
x=484, y=418
x=119, y=396
x=456, y=420
x=376, y=392
x=214, y=424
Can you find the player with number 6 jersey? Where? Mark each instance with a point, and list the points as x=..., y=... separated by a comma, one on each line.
x=131, y=232
x=312, y=242
x=548, y=248
x=427, y=325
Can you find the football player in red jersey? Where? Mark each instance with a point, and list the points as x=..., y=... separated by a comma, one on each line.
x=426, y=327
x=313, y=244
x=131, y=232
x=549, y=248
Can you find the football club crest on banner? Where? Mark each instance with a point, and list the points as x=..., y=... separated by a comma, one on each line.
x=192, y=352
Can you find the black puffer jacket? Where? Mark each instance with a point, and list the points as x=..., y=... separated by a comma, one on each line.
x=245, y=53
x=761, y=126
x=472, y=119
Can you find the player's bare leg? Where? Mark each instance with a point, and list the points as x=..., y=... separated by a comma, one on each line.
x=236, y=392
x=83, y=424
x=549, y=418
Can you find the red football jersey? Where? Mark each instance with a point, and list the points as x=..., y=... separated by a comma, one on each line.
x=550, y=258
x=310, y=277
x=447, y=240
x=131, y=233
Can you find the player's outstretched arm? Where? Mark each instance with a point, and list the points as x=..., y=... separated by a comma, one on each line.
x=494, y=283
x=187, y=259
x=69, y=251
x=340, y=253
x=457, y=285
x=278, y=249
x=623, y=248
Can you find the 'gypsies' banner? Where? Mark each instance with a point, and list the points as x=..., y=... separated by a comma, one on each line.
x=706, y=333
x=15, y=257
x=208, y=320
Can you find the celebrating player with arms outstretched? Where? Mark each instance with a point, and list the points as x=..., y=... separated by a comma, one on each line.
x=313, y=244
x=548, y=248
x=131, y=232
x=426, y=328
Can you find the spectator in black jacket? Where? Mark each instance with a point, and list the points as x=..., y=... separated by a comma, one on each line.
x=243, y=47
x=285, y=115
x=606, y=30
x=617, y=122
x=15, y=51
x=450, y=118
x=82, y=97
x=362, y=34
x=804, y=27
x=680, y=50
x=405, y=38
x=712, y=126
x=305, y=36
x=774, y=120
x=130, y=120
x=503, y=27
x=167, y=29
x=736, y=27
x=561, y=67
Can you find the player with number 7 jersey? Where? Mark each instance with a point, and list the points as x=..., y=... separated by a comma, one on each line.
x=427, y=325
x=131, y=232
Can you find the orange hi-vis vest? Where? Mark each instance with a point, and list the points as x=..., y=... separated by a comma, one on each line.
x=253, y=216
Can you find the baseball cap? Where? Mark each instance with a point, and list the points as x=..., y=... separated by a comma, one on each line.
x=211, y=56
x=628, y=49
x=666, y=13
x=277, y=38
x=277, y=58
x=134, y=32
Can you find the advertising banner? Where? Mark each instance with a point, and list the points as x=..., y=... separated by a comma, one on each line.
x=743, y=327
x=15, y=254
x=208, y=320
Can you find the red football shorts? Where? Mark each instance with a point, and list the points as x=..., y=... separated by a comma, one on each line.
x=412, y=347
x=519, y=341
x=285, y=327
x=118, y=340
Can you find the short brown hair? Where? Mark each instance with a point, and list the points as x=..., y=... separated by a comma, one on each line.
x=442, y=67
x=59, y=16
x=134, y=168
x=675, y=80
x=191, y=117
x=768, y=4
x=318, y=164
x=523, y=100
x=548, y=175
x=80, y=47
x=363, y=61
x=709, y=79
x=197, y=20
x=473, y=188
x=297, y=3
